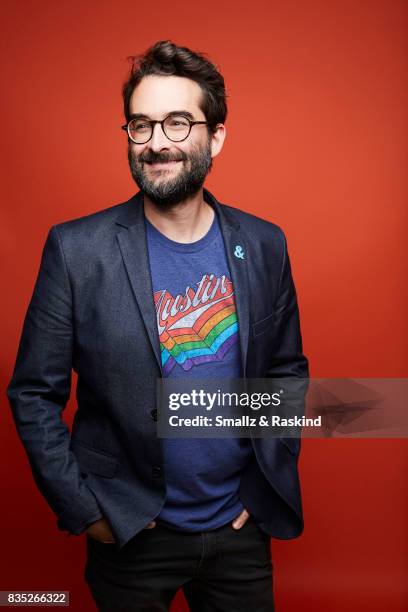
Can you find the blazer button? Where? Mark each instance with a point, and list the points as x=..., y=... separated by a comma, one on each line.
x=153, y=414
x=157, y=472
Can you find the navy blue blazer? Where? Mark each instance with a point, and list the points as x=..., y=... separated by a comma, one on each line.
x=92, y=311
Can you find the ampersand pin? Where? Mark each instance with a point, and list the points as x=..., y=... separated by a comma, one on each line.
x=239, y=252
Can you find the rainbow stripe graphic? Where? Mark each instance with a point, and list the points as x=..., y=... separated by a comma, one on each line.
x=202, y=334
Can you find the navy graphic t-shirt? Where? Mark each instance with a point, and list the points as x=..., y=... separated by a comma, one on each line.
x=198, y=330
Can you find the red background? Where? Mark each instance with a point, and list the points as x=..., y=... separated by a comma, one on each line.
x=317, y=142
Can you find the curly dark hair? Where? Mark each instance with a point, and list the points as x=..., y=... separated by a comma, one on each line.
x=165, y=58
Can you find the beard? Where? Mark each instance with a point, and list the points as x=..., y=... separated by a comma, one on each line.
x=165, y=190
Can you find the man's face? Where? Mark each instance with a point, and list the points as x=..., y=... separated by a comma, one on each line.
x=169, y=172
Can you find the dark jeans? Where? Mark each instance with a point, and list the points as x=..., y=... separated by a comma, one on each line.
x=224, y=570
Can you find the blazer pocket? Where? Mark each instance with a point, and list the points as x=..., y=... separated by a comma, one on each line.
x=263, y=325
x=94, y=461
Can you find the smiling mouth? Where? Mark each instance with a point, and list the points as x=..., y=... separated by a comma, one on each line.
x=163, y=165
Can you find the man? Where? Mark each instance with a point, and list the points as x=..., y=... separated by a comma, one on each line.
x=168, y=284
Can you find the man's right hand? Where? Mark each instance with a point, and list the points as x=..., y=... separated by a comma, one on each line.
x=100, y=530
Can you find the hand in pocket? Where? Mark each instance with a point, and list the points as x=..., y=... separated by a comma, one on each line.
x=101, y=531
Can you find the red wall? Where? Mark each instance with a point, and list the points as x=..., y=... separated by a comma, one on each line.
x=317, y=142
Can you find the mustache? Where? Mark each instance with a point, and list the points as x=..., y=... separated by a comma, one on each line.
x=151, y=157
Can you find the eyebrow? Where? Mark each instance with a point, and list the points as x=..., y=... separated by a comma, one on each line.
x=176, y=112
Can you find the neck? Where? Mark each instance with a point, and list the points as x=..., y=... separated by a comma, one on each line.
x=186, y=222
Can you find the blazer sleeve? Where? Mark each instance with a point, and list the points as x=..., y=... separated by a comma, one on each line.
x=40, y=388
x=288, y=359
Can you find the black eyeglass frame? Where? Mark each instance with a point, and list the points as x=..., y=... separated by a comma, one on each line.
x=152, y=123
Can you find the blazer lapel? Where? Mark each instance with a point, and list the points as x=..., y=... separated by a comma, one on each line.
x=236, y=251
x=133, y=245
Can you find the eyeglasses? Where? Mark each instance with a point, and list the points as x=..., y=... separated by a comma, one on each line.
x=175, y=128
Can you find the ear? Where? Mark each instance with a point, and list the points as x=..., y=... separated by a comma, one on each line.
x=217, y=139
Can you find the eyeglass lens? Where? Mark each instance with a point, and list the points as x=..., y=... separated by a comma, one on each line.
x=176, y=128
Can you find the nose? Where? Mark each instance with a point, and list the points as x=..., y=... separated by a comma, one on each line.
x=158, y=141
